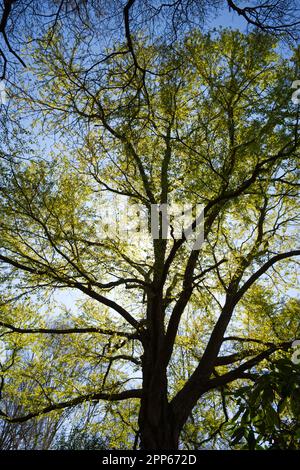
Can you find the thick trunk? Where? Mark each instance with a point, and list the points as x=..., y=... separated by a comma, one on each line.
x=157, y=426
x=157, y=429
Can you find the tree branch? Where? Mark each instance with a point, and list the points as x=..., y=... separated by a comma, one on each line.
x=85, y=289
x=125, y=395
x=261, y=271
x=238, y=372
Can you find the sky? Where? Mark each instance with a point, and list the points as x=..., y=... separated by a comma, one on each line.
x=68, y=297
x=225, y=18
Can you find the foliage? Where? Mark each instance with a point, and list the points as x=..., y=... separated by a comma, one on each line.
x=78, y=439
x=157, y=334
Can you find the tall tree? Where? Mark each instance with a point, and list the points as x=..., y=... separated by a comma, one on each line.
x=208, y=122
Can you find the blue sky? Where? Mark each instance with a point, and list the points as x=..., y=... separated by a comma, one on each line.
x=224, y=18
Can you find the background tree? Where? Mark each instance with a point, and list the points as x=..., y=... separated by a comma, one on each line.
x=22, y=22
x=77, y=439
x=38, y=433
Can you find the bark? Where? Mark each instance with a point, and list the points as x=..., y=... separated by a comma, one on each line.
x=156, y=420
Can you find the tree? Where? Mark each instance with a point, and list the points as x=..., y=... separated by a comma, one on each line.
x=268, y=416
x=78, y=440
x=212, y=123
x=20, y=20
